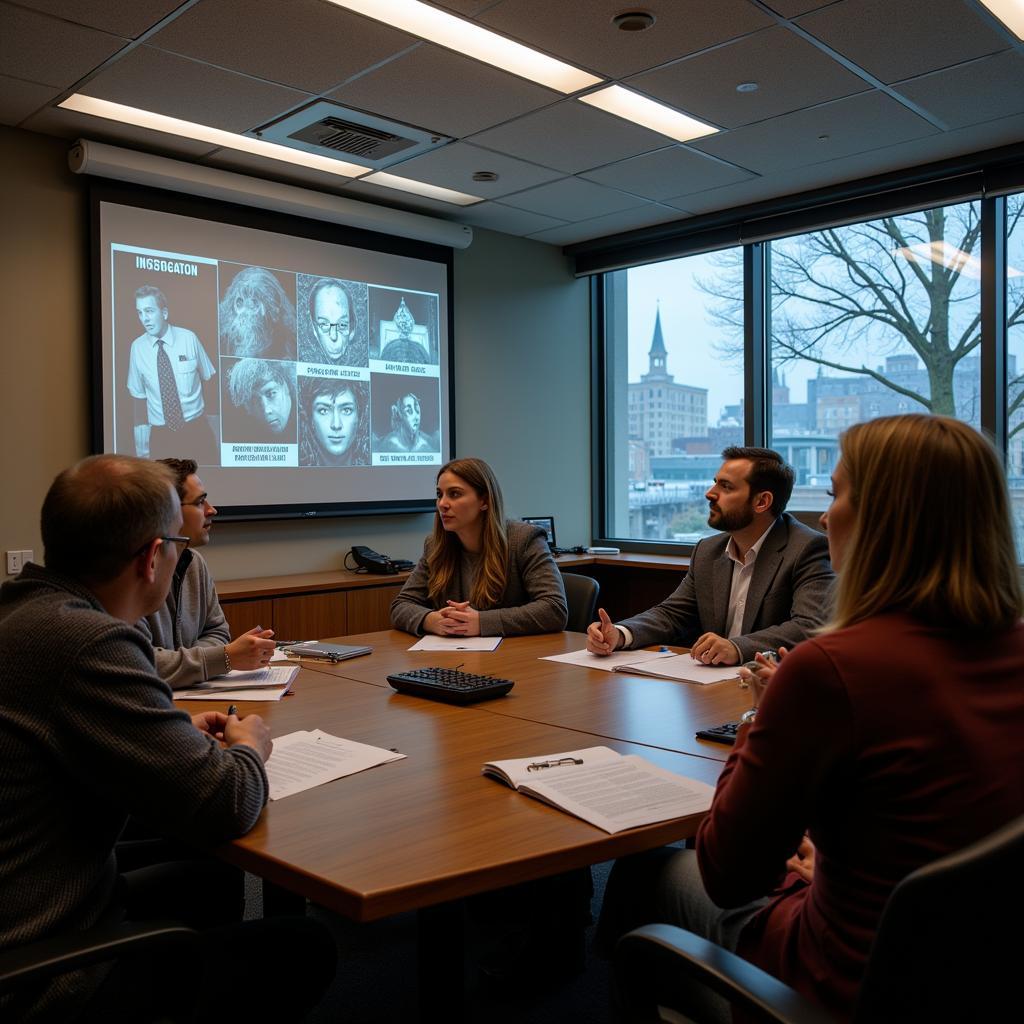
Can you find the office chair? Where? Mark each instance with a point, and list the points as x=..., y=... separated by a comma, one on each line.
x=165, y=941
x=581, y=597
x=939, y=954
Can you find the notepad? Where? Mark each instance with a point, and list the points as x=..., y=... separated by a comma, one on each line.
x=660, y=664
x=613, y=791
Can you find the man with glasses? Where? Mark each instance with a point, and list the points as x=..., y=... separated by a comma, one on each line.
x=332, y=319
x=89, y=735
x=189, y=632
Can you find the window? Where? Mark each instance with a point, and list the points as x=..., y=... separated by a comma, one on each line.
x=870, y=320
x=1015, y=361
x=674, y=360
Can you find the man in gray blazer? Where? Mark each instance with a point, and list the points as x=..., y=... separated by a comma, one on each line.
x=764, y=582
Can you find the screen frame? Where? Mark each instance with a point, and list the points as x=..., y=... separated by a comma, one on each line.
x=546, y=523
x=143, y=197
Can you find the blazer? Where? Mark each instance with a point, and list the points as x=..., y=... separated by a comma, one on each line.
x=790, y=593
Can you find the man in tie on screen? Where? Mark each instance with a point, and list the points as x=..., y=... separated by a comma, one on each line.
x=166, y=370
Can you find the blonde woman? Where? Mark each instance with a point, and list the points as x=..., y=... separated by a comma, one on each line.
x=480, y=574
x=886, y=741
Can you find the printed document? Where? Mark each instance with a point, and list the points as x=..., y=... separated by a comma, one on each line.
x=610, y=790
x=270, y=683
x=304, y=760
x=456, y=643
x=660, y=664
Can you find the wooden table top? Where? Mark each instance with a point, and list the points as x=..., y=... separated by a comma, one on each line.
x=429, y=828
x=614, y=705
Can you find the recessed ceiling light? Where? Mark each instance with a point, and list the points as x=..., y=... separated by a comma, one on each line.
x=633, y=21
x=1010, y=13
x=421, y=188
x=204, y=133
x=639, y=109
x=485, y=175
x=447, y=30
x=747, y=87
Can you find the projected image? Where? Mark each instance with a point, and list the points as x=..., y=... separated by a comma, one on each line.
x=332, y=326
x=334, y=422
x=405, y=420
x=164, y=308
x=259, y=401
x=257, y=312
x=403, y=328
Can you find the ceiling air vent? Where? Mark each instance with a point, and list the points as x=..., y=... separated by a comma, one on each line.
x=332, y=130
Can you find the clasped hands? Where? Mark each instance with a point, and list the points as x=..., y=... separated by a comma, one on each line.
x=228, y=730
x=457, y=618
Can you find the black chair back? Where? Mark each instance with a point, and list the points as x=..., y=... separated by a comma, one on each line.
x=581, y=596
x=942, y=951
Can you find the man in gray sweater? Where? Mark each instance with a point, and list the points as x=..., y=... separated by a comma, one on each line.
x=89, y=733
x=190, y=635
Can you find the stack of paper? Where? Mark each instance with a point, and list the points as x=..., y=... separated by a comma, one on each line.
x=270, y=683
x=660, y=664
x=303, y=760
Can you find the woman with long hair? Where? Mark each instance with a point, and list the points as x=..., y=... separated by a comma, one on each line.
x=480, y=574
x=888, y=740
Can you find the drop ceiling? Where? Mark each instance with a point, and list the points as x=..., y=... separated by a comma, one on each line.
x=845, y=90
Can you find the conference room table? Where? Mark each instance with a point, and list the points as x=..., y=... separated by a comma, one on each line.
x=425, y=832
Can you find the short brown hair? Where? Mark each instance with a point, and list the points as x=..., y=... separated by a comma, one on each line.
x=916, y=485
x=100, y=512
x=182, y=470
x=769, y=472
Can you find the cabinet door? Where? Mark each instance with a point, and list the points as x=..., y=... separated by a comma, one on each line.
x=311, y=616
x=243, y=615
x=369, y=608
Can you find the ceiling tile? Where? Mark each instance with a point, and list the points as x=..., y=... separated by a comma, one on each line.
x=572, y=199
x=464, y=8
x=452, y=166
x=582, y=32
x=667, y=172
x=570, y=137
x=852, y=125
x=705, y=85
x=794, y=8
x=612, y=223
x=162, y=82
x=877, y=34
x=306, y=44
x=497, y=217
x=444, y=92
x=48, y=51
x=18, y=99
x=69, y=124
x=129, y=18
x=980, y=90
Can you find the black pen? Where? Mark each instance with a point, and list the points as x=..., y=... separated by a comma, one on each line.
x=232, y=710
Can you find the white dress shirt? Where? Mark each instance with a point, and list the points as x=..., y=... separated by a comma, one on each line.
x=191, y=366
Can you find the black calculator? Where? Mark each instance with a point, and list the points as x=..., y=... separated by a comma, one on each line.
x=449, y=685
x=724, y=733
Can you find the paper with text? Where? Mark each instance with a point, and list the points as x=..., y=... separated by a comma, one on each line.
x=457, y=643
x=615, y=792
x=608, y=662
x=304, y=760
x=270, y=683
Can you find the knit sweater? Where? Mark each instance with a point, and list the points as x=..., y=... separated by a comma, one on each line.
x=534, y=597
x=189, y=631
x=89, y=735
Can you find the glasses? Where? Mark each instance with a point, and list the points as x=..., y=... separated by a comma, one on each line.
x=174, y=539
x=203, y=501
x=334, y=330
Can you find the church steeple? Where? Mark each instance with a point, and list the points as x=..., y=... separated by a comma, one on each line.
x=657, y=367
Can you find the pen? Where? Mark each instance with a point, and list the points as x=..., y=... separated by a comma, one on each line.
x=232, y=709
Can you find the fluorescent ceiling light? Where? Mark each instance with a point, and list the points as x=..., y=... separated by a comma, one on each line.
x=945, y=255
x=421, y=188
x=639, y=109
x=1010, y=13
x=204, y=133
x=454, y=33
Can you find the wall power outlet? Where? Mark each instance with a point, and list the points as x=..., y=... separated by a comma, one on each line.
x=16, y=561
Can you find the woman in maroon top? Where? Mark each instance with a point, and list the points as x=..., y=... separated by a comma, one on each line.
x=887, y=741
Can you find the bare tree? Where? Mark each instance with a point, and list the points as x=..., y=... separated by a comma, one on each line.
x=901, y=283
